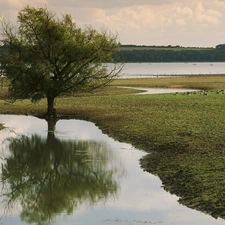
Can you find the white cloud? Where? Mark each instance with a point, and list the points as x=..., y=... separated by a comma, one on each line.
x=107, y=4
x=155, y=22
x=207, y=16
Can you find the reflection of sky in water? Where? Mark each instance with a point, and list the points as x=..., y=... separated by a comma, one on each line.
x=141, y=200
x=141, y=70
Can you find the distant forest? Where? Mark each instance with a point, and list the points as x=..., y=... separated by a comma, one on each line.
x=143, y=53
x=137, y=53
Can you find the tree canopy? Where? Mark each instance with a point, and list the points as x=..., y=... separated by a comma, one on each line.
x=49, y=56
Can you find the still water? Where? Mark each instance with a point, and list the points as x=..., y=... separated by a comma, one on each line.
x=143, y=70
x=78, y=175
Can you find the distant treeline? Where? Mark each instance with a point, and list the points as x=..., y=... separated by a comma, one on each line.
x=143, y=53
x=133, y=53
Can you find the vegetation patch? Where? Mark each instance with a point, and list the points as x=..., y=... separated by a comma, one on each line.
x=1, y=126
x=204, y=82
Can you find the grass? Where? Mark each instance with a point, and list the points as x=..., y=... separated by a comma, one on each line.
x=183, y=134
x=215, y=82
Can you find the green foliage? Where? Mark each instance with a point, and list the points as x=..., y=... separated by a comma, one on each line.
x=49, y=56
x=169, y=54
x=220, y=46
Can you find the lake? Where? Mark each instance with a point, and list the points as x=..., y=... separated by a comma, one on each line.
x=151, y=70
x=78, y=175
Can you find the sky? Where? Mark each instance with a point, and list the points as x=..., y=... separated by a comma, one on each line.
x=188, y=23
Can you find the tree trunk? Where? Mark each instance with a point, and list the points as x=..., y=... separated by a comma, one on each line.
x=51, y=130
x=51, y=112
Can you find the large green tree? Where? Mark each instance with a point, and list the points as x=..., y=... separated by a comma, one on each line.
x=49, y=56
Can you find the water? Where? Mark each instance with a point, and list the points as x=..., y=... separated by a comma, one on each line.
x=151, y=70
x=78, y=175
x=160, y=90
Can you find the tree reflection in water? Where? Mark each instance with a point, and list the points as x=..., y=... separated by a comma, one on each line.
x=49, y=176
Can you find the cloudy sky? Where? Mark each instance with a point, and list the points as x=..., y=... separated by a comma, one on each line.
x=199, y=23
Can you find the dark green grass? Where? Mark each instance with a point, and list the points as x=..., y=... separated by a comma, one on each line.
x=184, y=134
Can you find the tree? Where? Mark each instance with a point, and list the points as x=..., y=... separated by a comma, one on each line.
x=48, y=57
x=220, y=46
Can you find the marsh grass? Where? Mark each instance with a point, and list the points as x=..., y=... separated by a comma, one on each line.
x=215, y=82
x=184, y=134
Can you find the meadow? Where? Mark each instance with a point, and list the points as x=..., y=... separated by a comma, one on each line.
x=184, y=134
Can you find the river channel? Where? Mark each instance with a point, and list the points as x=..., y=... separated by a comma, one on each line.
x=78, y=175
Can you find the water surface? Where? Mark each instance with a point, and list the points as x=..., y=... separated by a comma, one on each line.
x=78, y=175
x=152, y=70
x=160, y=90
